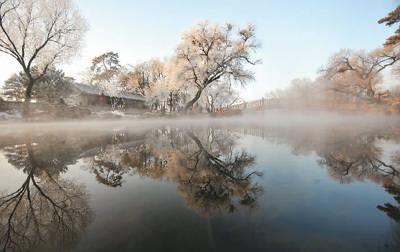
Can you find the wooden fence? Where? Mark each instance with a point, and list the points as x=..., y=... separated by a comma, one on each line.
x=255, y=105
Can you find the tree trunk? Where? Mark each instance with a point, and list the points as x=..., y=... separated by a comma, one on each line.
x=28, y=97
x=370, y=91
x=209, y=105
x=28, y=91
x=170, y=102
x=189, y=105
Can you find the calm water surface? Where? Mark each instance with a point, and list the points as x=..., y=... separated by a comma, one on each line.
x=205, y=188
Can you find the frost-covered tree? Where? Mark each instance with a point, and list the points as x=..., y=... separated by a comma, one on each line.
x=39, y=34
x=104, y=73
x=142, y=76
x=211, y=53
x=301, y=93
x=14, y=87
x=51, y=88
x=154, y=79
x=157, y=95
x=358, y=72
x=220, y=95
x=105, y=68
x=395, y=90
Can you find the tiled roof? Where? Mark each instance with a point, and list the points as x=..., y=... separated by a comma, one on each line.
x=83, y=88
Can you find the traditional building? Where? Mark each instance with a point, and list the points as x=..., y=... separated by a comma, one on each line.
x=85, y=95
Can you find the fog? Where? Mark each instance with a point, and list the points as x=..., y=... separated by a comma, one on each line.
x=277, y=118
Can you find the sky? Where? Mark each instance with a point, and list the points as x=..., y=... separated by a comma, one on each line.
x=297, y=37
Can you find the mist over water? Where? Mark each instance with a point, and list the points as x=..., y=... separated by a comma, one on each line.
x=278, y=118
x=265, y=181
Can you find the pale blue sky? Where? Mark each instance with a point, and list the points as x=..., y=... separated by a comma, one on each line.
x=297, y=37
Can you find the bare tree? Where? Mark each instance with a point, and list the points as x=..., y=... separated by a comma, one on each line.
x=38, y=33
x=209, y=53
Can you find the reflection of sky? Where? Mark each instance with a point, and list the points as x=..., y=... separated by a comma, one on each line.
x=302, y=207
x=141, y=214
x=10, y=178
x=305, y=198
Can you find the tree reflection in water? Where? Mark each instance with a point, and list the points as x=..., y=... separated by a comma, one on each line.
x=50, y=212
x=46, y=212
x=105, y=160
x=349, y=154
x=210, y=181
x=205, y=164
x=212, y=177
x=361, y=157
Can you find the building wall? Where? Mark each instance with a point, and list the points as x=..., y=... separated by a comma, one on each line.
x=105, y=101
x=135, y=104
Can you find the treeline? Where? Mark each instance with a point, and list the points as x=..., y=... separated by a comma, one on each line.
x=210, y=58
x=351, y=79
x=207, y=61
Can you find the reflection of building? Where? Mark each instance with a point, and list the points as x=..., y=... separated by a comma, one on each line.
x=86, y=95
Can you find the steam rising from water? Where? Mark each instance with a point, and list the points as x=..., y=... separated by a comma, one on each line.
x=274, y=119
